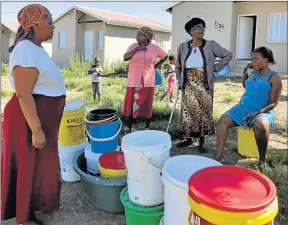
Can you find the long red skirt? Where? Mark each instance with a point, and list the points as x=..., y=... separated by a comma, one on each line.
x=30, y=178
x=138, y=102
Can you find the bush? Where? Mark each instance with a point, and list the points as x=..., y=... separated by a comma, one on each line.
x=4, y=69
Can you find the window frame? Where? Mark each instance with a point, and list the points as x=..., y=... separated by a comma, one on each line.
x=279, y=28
x=188, y=36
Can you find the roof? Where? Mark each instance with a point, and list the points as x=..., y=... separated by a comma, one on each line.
x=11, y=25
x=118, y=19
x=169, y=7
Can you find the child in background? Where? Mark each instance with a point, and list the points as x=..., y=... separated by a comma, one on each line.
x=171, y=78
x=96, y=72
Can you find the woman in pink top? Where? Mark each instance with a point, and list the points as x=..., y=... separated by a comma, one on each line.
x=141, y=76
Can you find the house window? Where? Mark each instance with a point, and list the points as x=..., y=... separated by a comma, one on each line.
x=100, y=40
x=62, y=39
x=277, y=27
x=188, y=36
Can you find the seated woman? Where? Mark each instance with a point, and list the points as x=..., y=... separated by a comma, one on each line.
x=255, y=110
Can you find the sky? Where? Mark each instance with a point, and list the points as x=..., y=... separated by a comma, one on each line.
x=148, y=10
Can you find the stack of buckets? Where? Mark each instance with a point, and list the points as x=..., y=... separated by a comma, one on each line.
x=145, y=153
x=102, y=127
x=72, y=138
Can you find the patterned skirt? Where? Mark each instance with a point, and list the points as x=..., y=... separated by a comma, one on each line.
x=197, y=106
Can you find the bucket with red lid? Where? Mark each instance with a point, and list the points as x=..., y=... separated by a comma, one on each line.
x=112, y=165
x=226, y=195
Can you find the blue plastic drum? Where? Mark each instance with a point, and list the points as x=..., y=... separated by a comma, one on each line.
x=158, y=77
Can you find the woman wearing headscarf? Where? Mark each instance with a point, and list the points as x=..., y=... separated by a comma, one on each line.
x=30, y=179
x=195, y=69
x=138, y=100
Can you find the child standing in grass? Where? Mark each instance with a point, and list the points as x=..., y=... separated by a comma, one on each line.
x=96, y=72
x=171, y=78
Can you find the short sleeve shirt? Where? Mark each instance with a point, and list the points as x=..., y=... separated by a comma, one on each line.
x=141, y=67
x=50, y=81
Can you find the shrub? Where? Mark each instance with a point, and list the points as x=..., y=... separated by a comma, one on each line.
x=4, y=69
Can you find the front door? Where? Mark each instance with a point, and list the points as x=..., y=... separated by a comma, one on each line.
x=89, y=45
x=245, y=37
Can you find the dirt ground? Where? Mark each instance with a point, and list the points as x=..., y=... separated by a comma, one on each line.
x=76, y=209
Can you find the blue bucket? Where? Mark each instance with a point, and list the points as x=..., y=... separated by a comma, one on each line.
x=104, y=137
x=158, y=78
x=224, y=72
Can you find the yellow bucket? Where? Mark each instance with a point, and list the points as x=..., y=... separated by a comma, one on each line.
x=246, y=143
x=72, y=127
x=225, y=195
x=112, y=165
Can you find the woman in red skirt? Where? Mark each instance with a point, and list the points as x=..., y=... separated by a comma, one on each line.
x=138, y=101
x=30, y=179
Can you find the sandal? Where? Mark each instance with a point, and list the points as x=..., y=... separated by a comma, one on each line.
x=185, y=143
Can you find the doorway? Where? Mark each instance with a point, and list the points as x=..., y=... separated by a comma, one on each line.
x=247, y=26
x=88, y=45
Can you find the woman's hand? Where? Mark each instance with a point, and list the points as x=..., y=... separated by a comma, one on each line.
x=249, y=118
x=249, y=66
x=38, y=139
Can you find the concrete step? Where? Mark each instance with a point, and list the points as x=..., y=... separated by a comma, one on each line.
x=235, y=74
x=240, y=66
x=245, y=62
x=237, y=69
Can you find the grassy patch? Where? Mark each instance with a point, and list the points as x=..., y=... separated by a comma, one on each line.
x=228, y=99
x=4, y=69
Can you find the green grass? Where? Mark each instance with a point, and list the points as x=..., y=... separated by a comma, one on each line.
x=4, y=69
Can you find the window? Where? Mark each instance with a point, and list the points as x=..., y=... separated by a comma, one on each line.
x=100, y=40
x=277, y=27
x=188, y=36
x=62, y=39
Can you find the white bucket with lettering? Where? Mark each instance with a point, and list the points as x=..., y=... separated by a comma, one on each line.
x=145, y=154
x=66, y=156
x=175, y=175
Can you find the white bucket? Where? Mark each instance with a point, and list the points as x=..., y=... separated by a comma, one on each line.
x=145, y=154
x=176, y=174
x=92, y=159
x=162, y=221
x=66, y=156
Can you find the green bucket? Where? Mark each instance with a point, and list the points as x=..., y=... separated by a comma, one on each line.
x=140, y=215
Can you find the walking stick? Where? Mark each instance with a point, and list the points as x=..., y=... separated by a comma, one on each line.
x=173, y=109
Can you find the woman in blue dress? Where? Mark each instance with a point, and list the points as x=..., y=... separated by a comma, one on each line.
x=255, y=109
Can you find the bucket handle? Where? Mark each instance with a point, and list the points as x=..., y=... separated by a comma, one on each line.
x=152, y=163
x=104, y=139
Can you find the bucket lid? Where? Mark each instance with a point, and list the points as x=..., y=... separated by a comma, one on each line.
x=74, y=148
x=124, y=196
x=147, y=140
x=179, y=169
x=232, y=189
x=112, y=160
x=73, y=105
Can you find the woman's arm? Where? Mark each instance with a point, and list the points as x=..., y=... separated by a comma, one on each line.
x=129, y=55
x=159, y=64
x=275, y=94
x=221, y=53
x=178, y=66
x=245, y=74
x=25, y=79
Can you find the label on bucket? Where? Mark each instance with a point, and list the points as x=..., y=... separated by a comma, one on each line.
x=197, y=220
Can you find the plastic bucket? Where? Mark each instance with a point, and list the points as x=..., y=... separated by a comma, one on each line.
x=92, y=161
x=162, y=221
x=100, y=114
x=219, y=195
x=224, y=72
x=145, y=154
x=175, y=175
x=102, y=193
x=66, y=156
x=72, y=128
x=112, y=165
x=246, y=143
x=140, y=215
x=104, y=137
